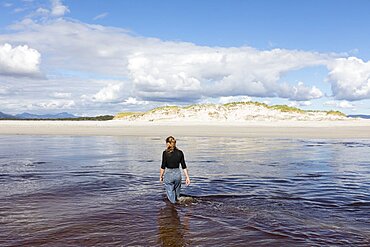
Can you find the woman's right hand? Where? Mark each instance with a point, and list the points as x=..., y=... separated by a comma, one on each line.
x=161, y=179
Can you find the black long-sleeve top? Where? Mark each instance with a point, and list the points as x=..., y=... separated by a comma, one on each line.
x=173, y=159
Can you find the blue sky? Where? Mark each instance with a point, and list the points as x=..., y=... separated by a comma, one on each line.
x=102, y=57
x=324, y=26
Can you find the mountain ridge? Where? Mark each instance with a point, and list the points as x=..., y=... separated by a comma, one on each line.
x=364, y=116
x=26, y=115
x=6, y=116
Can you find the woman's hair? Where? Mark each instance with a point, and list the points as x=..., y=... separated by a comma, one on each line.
x=172, y=141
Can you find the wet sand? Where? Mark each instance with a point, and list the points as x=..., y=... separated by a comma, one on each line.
x=284, y=129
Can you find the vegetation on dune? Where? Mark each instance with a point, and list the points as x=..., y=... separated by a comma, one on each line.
x=336, y=113
x=197, y=106
x=285, y=108
x=127, y=114
x=231, y=104
x=138, y=114
x=282, y=108
x=164, y=108
x=214, y=114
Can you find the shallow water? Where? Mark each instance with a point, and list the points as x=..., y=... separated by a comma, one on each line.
x=104, y=191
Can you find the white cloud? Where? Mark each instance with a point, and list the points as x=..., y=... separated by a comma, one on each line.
x=75, y=46
x=18, y=26
x=61, y=95
x=19, y=61
x=299, y=103
x=18, y=10
x=20, y=94
x=7, y=5
x=340, y=104
x=42, y=11
x=55, y=104
x=166, y=71
x=110, y=93
x=346, y=104
x=58, y=9
x=300, y=92
x=189, y=71
x=350, y=78
x=4, y=90
x=101, y=16
x=134, y=101
x=229, y=99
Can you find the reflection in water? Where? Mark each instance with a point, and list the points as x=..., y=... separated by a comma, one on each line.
x=172, y=231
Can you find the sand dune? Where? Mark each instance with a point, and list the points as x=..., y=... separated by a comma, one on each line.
x=231, y=113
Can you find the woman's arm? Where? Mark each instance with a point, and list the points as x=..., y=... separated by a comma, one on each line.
x=163, y=166
x=161, y=172
x=187, y=180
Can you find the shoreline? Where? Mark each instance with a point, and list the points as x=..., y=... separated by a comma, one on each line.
x=349, y=129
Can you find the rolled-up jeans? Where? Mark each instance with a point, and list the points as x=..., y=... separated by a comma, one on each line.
x=172, y=183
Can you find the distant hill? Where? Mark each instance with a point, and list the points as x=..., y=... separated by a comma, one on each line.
x=63, y=115
x=6, y=116
x=235, y=112
x=359, y=116
x=60, y=116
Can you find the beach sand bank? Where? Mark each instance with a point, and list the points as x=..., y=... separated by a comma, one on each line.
x=283, y=129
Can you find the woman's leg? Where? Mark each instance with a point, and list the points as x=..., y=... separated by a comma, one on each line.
x=169, y=184
x=177, y=184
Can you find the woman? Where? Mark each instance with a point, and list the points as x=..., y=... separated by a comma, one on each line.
x=171, y=159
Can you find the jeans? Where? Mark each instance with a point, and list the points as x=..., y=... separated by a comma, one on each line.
x=172, y=183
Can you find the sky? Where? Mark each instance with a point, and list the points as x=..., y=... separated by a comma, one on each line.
x=93, y=57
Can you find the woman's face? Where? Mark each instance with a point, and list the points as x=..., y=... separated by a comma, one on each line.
x=168, y=144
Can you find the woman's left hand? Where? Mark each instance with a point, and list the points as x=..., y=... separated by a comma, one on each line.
x=187, y=181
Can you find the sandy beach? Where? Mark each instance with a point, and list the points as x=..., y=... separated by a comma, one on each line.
x=283, y=129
